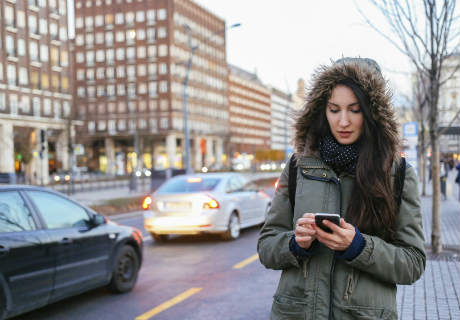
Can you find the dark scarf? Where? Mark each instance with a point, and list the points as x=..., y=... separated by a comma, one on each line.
x=340, y=157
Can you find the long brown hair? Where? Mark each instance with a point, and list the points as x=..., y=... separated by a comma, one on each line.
x=372, y=207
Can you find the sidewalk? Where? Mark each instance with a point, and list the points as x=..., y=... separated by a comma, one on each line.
x=437, y=294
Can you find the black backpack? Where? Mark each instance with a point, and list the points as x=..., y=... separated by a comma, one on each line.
x=398, y=187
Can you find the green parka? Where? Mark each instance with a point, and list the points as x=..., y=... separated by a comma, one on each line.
x=363, y=288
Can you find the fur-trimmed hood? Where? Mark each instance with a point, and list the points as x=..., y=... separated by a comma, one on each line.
x=365, y=73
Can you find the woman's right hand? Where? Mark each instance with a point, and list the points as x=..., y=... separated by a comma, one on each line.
x=304, y=232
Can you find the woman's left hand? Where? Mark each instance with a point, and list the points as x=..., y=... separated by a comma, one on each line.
x=341, y=237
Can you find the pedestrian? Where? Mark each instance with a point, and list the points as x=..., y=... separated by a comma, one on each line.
x=443, y=171
x=457, y=179
x=347, y=154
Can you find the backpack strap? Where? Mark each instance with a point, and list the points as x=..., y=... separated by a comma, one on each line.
x=292, y=182
x=399, y=181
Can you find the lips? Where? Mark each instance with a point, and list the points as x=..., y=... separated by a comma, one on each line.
x=345, y=134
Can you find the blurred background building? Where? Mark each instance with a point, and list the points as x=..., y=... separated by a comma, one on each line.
x=35, y=90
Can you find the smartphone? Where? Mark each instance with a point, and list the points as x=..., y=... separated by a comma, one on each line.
x=333, y=217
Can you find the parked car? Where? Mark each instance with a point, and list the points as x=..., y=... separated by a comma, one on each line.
x=51, y=248
x=205, y=203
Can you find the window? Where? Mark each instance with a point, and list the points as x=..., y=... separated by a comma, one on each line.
x=153, y=89
x=54, y=53
x=14, y=214
x=13, y=104
x=163, y=50
x=119, y=18
x=55, y=81
x=57, y=109
x=163, y=68
x=21, y=19
x=89, y=39
x=90, y=74
x=21, y=47
x=100, y=73
x=99, y=21
x=79, y=40
x=142, y=89
x=120, y=54
x=62, y=214
x=109, y=19
x=2, y=101
x=151, y=16
x=131, y=53
x=10, y=46
x=64, y=58
x=100, y=55
x=23, y=76
x=121, y=125
x=120, y=71
x=63, y=33
x=152, y=69
x=36, y=106
x=64, y=83
x=163, y=86
x=110, y=55
x=90, y=57
x=80, y=57
x=120, y=36
x=110, y=90
x=141, y=52
x=151, y=34
x=89, y=22
x=121, y=90
x=109, y=38
x=140, y=16
x=11, y=74
x=54, y=31
x=44, y=53
x=33, y=26
x=78, y=22
x=162, y=32
x=141, y=70
x=129, y=18
x=162, y=14
x=9, y=16
x=81, y=74
x=47, y=106
x=152, y=51
x=45, y=81
x=131, y=71
x=43, y=26
x=34, y=79
x=66, y=108
x=25, y=104
x=99, y=38
x=140, y=34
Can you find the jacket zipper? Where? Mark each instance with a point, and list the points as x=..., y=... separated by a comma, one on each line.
x=336, y=181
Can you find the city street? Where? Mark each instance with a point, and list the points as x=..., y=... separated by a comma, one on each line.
x=195, y=278
x=170, y=269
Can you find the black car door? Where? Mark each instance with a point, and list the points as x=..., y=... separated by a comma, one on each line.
x=26, y=263
x=82, y=251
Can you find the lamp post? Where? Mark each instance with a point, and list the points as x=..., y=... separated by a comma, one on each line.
x=188, y=163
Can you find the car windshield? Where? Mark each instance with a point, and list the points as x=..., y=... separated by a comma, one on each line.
x=189, y=184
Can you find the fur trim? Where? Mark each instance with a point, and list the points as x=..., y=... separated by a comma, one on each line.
x=324, y=80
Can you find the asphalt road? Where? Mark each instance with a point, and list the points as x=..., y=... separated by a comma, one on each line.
x=185, y=278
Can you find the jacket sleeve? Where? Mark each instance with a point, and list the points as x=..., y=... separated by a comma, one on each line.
x=273, y=243
x=402, y=261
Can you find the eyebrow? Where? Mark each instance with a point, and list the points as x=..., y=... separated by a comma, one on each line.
x=350, y=105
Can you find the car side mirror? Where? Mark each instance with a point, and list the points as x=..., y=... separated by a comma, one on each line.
x=97, y=220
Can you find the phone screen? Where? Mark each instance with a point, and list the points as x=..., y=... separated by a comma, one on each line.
x=319, y=217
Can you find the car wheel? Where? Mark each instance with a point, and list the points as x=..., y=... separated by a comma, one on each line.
x=126, y=269
x=160, y=237
x=233, y=229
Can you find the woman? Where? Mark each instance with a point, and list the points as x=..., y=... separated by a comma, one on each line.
x=347, y=153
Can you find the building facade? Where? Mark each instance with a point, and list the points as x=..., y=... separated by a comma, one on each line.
x=131, y=60
x=35, y=89
x=250, y=117
x=282, y=121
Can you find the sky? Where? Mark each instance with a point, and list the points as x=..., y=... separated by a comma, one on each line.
x=284, y=40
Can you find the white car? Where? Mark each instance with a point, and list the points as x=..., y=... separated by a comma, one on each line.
x=205, y=203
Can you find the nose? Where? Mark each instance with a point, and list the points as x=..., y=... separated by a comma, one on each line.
x=344, y=119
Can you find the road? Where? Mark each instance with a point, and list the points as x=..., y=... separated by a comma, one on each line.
x=201, y=267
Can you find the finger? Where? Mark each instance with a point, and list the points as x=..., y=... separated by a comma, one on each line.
x=308, y=220
x=304, y=231
x=308, y=214
x=331, y=225
x=320, y=233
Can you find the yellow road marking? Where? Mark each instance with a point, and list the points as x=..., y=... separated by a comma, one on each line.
x=246, y=261
x=168, y=304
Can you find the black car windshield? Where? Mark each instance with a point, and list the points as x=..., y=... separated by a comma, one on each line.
x=190, y=184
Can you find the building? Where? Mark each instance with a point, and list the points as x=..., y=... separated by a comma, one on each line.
x=35, y=90
x=131, y=62
x=250, y=117
x=282, y=121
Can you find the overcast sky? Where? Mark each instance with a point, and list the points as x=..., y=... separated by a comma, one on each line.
x=286, y=40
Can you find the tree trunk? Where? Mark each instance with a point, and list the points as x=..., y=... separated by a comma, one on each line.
x=436, y=245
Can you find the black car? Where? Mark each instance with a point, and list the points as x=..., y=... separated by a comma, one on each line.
x=51, y=248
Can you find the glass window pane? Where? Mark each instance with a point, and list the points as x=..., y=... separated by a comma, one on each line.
x=14, y=214
x=59, y=212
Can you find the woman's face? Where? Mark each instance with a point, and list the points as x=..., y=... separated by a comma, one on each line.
x=344, y=115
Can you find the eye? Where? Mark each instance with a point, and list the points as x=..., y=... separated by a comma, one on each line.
x=357, y=110
x=333, y=109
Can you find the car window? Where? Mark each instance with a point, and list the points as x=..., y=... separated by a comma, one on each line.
x=189, y=184
x=59, y=212
x=234, y=184
x=14, y=214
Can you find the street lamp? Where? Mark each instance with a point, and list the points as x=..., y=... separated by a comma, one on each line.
x=188, y=164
